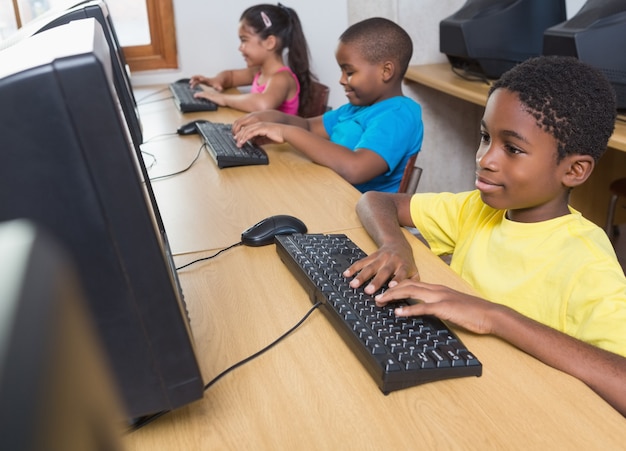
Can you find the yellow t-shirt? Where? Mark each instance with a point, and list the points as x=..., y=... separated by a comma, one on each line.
x=562, y=272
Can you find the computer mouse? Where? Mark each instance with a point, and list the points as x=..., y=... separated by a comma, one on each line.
x=264, y=231
x=190, y=127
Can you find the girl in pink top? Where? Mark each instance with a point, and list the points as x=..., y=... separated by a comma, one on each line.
x=289, y=106
x=265, y=31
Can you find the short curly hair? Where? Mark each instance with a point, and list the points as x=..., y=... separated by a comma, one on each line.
x=379, y=39
x=571, y=100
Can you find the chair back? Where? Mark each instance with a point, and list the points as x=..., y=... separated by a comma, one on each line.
x=318, y=103
x=410, y=177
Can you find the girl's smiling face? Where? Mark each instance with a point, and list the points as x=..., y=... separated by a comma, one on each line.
x=251, y=46
x=516, y=162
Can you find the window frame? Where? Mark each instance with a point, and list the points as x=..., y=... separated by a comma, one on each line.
x=161, y=53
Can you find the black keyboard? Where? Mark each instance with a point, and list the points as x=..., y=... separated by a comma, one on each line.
x=222, y=147
x=186, y=102
x=397, y=352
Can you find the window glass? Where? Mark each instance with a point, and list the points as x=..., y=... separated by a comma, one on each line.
x=145, y=28
x=8, y=23
x=131, y=21
x=31, y=9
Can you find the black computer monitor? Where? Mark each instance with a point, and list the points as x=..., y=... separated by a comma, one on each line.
x=596, y=35
x=99, y=10
x=489, y=37
x=56, y=387
x=121, y=73
x=67, y=162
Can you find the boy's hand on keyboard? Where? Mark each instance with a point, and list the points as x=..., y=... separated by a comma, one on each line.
x=470, y=312
x=389, y=263
x=269, y=130
x=255, y=118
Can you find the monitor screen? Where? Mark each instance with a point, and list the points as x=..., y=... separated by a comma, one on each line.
x=489, y=37
x=67, y=162
x=592, y=35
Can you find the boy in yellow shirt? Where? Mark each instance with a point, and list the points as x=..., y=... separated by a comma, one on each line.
x=548, y=279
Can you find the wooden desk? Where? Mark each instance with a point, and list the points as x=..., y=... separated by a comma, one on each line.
x=227, y=201
x=311, y=392
x=592, y=198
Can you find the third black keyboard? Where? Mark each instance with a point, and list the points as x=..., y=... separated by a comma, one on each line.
x=184, y=99
x=398, y=352
x=222, y=147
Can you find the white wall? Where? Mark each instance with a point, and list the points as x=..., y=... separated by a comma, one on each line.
x=206, y=34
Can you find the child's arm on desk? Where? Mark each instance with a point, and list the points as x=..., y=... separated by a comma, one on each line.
x=275, y=93
x=603, y=371
x=226, y=79
x=309, y=137
x=382, y=215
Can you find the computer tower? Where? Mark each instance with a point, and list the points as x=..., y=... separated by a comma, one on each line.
x=68, y=163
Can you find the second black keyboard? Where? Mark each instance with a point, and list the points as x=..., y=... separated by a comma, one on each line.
x=222, y=147
x=184, y=99
x=398, y=352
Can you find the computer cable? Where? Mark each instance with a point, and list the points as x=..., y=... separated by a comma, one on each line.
x=152, y=156
x=139, y=423
x=470, y=75
x=182, y=170
x=210, y=256
x=161, y=135
x=142, y=101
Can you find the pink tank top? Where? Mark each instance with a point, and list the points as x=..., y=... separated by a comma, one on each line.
x=289, y=106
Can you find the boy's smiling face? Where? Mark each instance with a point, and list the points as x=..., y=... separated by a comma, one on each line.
x=516, y=163
x=363, y=82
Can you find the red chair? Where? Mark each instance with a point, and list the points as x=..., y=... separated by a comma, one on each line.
x=411, y=176
x=319, y=101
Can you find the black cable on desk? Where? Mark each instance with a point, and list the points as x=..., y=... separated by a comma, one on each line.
x=210, y=256
x=143, y=99
x=182, y=170
x=267, y=348
x=470, y=75
x=148, y=419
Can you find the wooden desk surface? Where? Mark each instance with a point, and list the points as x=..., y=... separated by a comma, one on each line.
x=227, y=201
x=441, y=78
x=310, y=392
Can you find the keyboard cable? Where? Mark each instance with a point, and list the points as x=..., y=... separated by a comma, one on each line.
x=148, y=419
x=159, y=177
x=142, y=101
x=210, y=256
